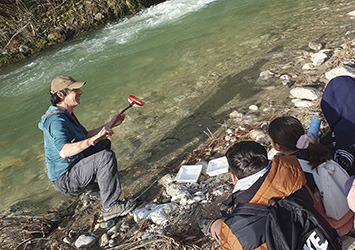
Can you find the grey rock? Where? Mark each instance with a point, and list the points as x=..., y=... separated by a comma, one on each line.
x=104, y=240
x=339, y=71
x=107, y=224
x=307, y=93
x=315, y=46
x=68, y=240
x=250, y=116
x=318, y=59
x=113, y=230
x=23, y=49
x=51, y=36
x=266, y=75
x=85, y=240
x=99, y=17
x=302, y=103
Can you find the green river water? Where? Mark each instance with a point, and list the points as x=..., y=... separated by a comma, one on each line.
x=192, y=62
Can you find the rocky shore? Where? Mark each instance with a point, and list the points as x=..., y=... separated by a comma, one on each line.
x=29, y=27
x=167, y=212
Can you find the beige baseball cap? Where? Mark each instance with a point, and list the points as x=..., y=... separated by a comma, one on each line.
x=62, y=82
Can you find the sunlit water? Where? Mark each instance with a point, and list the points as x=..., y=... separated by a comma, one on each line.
x=192, y=62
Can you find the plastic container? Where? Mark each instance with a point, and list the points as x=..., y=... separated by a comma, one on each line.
x=217, y=166
x=314, y=127
x=188, y=173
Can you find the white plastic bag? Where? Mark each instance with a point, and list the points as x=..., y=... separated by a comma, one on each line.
x=330, y=179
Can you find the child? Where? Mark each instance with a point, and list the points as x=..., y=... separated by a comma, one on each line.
x=338, y=106
x=256, y=180
x=288, y=137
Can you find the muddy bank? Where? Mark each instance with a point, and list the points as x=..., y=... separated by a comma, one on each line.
x=28, y=27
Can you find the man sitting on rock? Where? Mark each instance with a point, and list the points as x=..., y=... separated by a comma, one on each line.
x=74, y=160
x=256, y=180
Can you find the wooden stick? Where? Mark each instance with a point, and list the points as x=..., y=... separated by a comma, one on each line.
x=117, y=118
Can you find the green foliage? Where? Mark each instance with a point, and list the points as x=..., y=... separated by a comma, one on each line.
x=42, y=43
x=4, y=59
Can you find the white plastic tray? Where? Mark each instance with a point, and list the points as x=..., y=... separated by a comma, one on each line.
x=217, y=166
x=188, y=173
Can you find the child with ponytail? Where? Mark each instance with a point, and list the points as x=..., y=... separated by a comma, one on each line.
x=288, y=137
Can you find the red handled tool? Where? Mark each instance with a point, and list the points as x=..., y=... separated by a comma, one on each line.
x=133, y=102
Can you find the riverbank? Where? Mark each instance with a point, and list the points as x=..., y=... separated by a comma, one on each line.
x=29, y=27
x=166, y=217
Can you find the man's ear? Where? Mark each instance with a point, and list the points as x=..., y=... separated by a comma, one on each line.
x=234, y=179
x=60, y=95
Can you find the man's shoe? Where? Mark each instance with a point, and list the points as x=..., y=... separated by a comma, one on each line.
x=120, y=208
x=205, y=225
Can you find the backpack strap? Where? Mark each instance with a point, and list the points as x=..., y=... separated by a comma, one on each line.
x=247, y=223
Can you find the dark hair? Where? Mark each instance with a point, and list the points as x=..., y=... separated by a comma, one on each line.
x=55, y=99
x=286, y=130
x=246, y=158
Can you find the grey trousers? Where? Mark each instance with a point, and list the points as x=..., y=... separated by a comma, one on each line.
x=99, y=163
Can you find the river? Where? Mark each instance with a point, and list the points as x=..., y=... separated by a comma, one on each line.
x=192, y=62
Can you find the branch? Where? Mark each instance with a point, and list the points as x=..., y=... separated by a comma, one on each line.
x=8, y=43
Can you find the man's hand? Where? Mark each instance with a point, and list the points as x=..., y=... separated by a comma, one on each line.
x=104, y=133
x=101, y=135
x=216, y=229
x=116, y=120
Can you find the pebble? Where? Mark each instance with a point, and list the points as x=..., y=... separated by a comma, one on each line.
x=268, y=88
x=233, y=139
x=99, y=17
x=250, y=116
x=289, y=84
x=115, y=235
x=188, y=113
x=352, y=13
x=308, y=93
x=258, y=135
x=266, y=75
x=157, y=213
x=124, y=225
x=219, y=192
x=107, y=224
x=307, y=66
x=318, y=59
x=104, y=240
x=264, y=126
x=68, y=240
x=302, y=103
x=23, y=49
x=285, y=79
x=229, y=131
x=85, y=240
x=235, y=114
x=340, y=71
x=330, y=61
x=180, y=98
x=113, y=230
x=253, y=107
x=315, y=46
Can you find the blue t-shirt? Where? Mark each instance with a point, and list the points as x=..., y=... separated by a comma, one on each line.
x=59, y=128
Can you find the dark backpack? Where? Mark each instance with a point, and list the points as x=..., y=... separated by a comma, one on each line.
x=286, y=224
